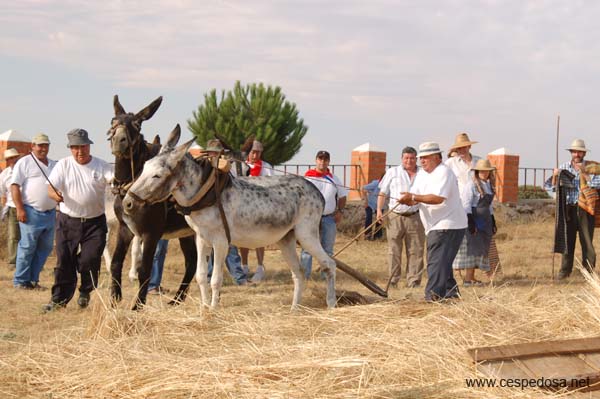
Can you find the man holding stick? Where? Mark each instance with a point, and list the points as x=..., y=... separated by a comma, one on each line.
x=435, y=191
x=404, y=227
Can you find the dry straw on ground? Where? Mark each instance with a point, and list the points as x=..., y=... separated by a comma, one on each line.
x=253, y=346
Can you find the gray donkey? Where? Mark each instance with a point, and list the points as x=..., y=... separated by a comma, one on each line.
x=254, y=212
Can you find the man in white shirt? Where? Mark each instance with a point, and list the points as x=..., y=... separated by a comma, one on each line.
x=463, y=161
x=11, y=156
x=335, y=195
x=404, y=224
x=435, y=190
x=258, y=167
x=35, y=212
x=78, y=183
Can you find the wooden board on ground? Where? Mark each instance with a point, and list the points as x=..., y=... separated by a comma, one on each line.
x=564, y=364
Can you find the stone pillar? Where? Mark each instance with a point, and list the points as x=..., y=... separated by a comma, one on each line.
x=13, y=139
x=370, y=162
x=507, y=175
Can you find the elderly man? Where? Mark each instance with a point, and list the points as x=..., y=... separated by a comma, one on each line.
x=35, y=212
x=435, y=191
x=258, y=167
x=78, y=184
x=577, y=219
x=462, y=162
x=404, y=224
x=11, y=156
x=335, y=195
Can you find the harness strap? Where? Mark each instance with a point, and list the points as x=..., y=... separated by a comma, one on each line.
x=221, y=210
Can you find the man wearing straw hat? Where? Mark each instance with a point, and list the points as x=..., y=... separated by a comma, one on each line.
x=404, y=226
x=11, y=156
x=577, y=219
x=258, y=167
x=35, y=212
x=78, y=183
x=435, y=191
x=462, y=162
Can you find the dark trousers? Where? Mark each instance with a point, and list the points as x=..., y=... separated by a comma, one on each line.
x=79, y=246
x=368, y=220
x=442, y=247
x=579, y=221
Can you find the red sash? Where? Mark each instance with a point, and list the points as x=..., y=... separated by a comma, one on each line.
x=256, y=168
x=316, y=173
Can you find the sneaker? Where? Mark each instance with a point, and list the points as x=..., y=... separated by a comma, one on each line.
x=245, y=269
x=472, y=283
x=158, y=291
x=26, y=286
x=51, y=307
x=259, y=275
x=84, y=300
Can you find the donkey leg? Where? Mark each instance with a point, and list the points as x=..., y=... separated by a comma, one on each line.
x=137, y=248
x=221, y=249
x=106, y=252
x=202, y=269
x=309, y=239
x=188, y=247
x=116, y=266
x=145, y=270
x=287, y=245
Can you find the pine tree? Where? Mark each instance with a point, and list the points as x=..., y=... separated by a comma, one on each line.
x=251, y=110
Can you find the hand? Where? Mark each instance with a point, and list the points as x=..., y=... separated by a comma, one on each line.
x=21, y=215
x=406, y=199
x=578, y=166
x=337, y=216
x=556, y=171
x=379, y=215
x=472, y=227
x=494, y=228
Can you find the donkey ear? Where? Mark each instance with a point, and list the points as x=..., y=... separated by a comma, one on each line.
x=180, y=151
x=150, y=109
x=172, y=139
x=119, y=110
x=156, y=140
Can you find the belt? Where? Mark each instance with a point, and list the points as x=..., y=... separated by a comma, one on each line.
x=408, y=214
x=84, y=220
x=328, y=215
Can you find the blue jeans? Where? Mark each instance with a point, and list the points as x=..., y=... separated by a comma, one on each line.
x=158, y=263
x=37, y=240
x=233, y=261
x=327, y=232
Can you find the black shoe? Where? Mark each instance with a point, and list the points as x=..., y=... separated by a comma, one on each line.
x=51, y=307
x=84, y=300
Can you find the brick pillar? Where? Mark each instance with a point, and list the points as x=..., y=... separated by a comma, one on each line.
x=22, y=147
x=507, y=176
x=371, y=165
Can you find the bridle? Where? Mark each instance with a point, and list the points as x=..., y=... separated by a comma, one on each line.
x=117, y=124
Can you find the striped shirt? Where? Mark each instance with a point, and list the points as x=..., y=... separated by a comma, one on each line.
x=573, y=193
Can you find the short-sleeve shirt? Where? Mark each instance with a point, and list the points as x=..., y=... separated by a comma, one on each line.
x=331, y=188
x=461, y=169
x=396, y=181
x=5, y=178
x=82, y=186
x=34, y=189
x=450, y=214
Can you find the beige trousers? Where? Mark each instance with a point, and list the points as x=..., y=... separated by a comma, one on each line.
x=407, y=231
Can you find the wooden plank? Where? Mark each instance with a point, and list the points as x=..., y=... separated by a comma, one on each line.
x=558, y=367
x=533, y=349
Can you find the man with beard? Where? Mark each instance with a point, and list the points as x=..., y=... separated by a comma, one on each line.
x=577, y=219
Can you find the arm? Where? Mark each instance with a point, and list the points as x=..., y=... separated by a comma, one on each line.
x=413, y=199
x=341, y=204
x=380, y=203
x=56, y=196
x=15, y=190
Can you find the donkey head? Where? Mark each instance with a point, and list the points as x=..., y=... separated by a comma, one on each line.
x=125, y=130
x=161, y=175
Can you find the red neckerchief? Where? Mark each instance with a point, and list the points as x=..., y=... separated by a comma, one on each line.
x=316, y=173
x=256, y=168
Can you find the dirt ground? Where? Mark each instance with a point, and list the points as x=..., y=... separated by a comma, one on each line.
x=254, y=346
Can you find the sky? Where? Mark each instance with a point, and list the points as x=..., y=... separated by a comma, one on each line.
x=391, y=73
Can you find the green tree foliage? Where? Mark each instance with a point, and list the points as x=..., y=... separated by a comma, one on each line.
x=251, y=110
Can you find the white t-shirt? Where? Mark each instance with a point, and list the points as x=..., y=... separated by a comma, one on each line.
x=461, y=169
x=5, y=178
x=395, y=181
x=266, y=169
x=329, y=186
x=34, y=189
x=82, y=186
x=450, y=214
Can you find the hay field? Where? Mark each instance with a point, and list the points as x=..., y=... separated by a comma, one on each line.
x=253, y=346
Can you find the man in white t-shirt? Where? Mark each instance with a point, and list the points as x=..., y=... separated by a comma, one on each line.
x=35, y=212
x=435, y=190
x=78, y=184
x=9, y=212
x=258, y=167
x=335, y=195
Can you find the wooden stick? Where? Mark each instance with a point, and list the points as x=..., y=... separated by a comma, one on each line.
x=556, y=182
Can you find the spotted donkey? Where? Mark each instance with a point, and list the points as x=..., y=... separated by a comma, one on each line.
x=259, y=211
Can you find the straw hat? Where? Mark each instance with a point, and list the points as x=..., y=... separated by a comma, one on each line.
x=40, y=139
x=214, y=145
x=577, y=145
x=483, y=164
x=462, y=140
x=428, y=148
x=11, y=153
